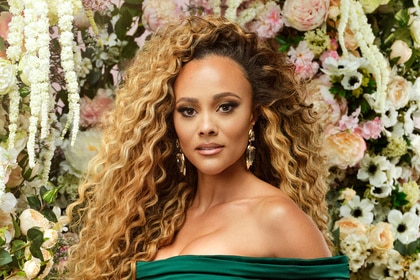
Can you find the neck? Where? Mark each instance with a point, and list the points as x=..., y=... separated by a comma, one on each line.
x=221, y=188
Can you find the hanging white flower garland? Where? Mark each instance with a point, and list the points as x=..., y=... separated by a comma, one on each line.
x=353, y=17
x=29, y=40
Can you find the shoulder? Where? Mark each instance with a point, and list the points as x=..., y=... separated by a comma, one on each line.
x=289, y=232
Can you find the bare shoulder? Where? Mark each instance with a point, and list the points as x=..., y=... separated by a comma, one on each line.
x=288, y=231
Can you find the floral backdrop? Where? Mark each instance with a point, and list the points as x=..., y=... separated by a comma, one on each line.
x=61, y=61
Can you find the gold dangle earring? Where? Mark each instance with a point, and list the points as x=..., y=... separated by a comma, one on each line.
x=250, y=150
x=180, y=159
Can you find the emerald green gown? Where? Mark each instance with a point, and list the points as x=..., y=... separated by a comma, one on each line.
x=226, y=267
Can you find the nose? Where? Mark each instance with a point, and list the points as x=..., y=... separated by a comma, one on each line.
x=207, y=126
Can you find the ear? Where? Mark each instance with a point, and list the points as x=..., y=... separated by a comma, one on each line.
x=254, y=116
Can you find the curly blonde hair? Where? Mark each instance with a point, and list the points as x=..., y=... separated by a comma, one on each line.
x=134, y=199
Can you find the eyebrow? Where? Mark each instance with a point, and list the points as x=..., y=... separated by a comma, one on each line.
x=215, y=97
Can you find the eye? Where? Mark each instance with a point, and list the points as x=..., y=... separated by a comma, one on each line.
x=227, y=107
x=187, y=111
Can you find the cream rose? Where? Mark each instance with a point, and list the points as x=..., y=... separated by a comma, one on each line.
x=350, y=225
x=402, y=50
x=344, y=149
x=398, y=92
x=347, y=194
x=32, y=268
x=325, y=104
x=50, y=237
x=7, y=76
x=305, y=15
x=381, y=237
x=31, y=218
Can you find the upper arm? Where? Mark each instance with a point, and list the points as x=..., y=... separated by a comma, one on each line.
x=289, y=232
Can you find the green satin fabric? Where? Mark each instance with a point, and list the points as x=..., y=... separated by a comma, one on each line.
x=222, y=267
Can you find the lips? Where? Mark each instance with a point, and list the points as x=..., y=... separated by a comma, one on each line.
x=209, y=149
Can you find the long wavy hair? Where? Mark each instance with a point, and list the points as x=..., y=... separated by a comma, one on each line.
x=134, y=198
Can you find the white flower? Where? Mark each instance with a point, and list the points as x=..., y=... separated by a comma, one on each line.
x=50, y=237
x=405, y=226
x=7, y=76
x=360, y=209
x=381, y=191
x=32, y=268
x=8, y=202
x=414, y=269
x=343, y=66
x=86, y=146
x=378, y=271
x=31, y=218
x=373, y=169
x=355, y=247
x=395, y=264
x=390, y=117
x=352, y=81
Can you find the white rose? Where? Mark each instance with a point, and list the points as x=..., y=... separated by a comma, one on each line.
x=51, y=237
x=32, y=268
x=7, y=76
x=31, y=218
x=402, y=50
x=8, y=202
x=86, y=146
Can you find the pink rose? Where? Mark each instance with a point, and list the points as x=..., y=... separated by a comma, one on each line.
x=159, y=13
x=305, y=15
x=92, y=110
x=329, y=108
x=370, y=129
x=344, y=149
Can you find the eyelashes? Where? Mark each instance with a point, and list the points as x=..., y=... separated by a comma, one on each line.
x=191, y=111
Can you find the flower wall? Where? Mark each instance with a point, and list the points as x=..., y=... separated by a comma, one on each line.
x=60, y=64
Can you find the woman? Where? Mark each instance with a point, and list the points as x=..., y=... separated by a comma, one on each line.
x=210, y=166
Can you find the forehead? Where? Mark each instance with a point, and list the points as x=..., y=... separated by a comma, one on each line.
x=212, y=73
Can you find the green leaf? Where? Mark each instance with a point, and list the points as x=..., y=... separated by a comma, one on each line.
x=50, y=196
x=36, y=252
x=34, y=202
x=49, y=214
x=5, y=257
x=35, y=236
x=134, y=2
x=123, y=24
x=402, y=17
x=18, y=249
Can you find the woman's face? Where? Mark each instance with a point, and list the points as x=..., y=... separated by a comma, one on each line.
x=213, y=113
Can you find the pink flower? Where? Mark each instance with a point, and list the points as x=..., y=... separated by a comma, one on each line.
x=329, y=108
x=349, y=122
x=370, y=129
x=302, y=58
x=97, y=5
x=5, y=18
x=344, y=149
x=269, y=21
x=159, y=13
x=92, y=110
x=327, y=54
x=305, y=15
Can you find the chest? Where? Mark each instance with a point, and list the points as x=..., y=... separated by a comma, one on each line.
x=217, y=233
